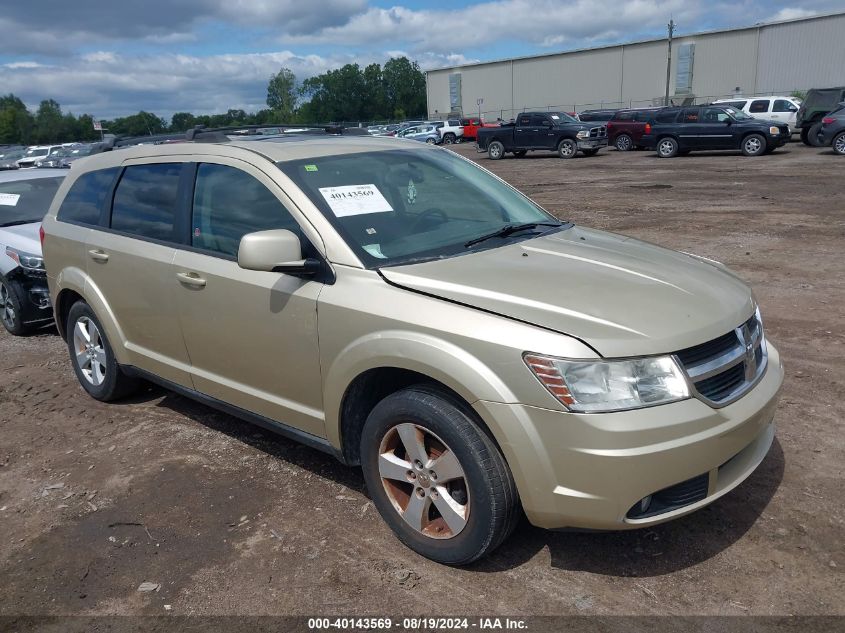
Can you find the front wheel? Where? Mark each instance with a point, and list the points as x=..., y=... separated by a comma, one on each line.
x=436, y=477
x=839, y=144
x=495, y=150
x=624, y=143
x=567, y=148
x=10, y=309
x=754, y=145
x=431, y=140
x=92, y=357
x=667, y=147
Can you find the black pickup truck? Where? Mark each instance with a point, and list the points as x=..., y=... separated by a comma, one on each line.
x=549, y=131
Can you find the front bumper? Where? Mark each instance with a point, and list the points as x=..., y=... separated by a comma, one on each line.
x=34, y=296
x=589, y=470
x=592, y=143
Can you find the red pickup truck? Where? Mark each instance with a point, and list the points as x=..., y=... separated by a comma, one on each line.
x=471, y=126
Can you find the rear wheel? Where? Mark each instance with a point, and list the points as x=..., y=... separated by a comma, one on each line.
x=839, y=144
x=436, y=477
x=624, y=143
x=805, y=133
x=448, y=139
x=495, y=150
x=813, y=135
x=10, y=309
x=754, y=145
x=92, y=357
x=667, y=147
x=567, y=148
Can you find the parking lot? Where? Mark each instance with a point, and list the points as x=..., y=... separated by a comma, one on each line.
x=97, y=499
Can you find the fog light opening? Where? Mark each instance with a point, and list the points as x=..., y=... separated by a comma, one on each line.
x=645, y=502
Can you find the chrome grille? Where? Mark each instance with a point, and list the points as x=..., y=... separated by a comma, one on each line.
x=598, y=132
x=723, y=369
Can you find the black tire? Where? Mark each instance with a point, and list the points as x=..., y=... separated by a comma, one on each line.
x=754, y=145
x=838, y=144
x=813, y=135
x=448, y=139
x=590, y=152
x=624, y=143
x=521, y=153
x=115, y=384
x=567, y=148
x=805, y=133
x=496, y=151
x=11, y=308
x=667, y=147
x=489, y=493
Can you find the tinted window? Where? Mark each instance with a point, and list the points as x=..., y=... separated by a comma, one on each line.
x=669, y=116
x=539, y=120
x=758, y=106
x=85, y=198
x=524, y=120
x=714, y=115
x=625, y=116
x=690, y=116
x=782, y=105
x=145, y=201
x=228, y=204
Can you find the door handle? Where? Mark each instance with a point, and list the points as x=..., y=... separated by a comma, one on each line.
x=98, y=255
x=191, y=279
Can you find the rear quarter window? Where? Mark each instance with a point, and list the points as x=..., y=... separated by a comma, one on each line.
x=667, y=117
x=84, y=200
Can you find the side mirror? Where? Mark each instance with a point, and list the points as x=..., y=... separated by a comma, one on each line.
x=277, y=251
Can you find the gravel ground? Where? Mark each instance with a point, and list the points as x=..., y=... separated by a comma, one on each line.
x=224, y=518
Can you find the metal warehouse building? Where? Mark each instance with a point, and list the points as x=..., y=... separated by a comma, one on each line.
x=773, y=59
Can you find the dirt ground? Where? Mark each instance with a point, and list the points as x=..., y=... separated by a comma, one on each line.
x=96, y=499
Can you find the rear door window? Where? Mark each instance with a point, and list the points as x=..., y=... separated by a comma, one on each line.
x=691, y=115
x=228, y=204
x=84, y=201
x=759, y=106
x=782, y=105
x=667, y=117
x=145, y=201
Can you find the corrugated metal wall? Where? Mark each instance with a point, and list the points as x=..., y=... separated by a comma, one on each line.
x=773, y=58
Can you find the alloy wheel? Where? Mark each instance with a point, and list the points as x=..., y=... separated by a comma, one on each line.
x=667, y=148
x=8, y=306
x=90, y=355
x=424, y=481
x=567, y=148
x=753, y=145
x=623, y=143
x=839, y=144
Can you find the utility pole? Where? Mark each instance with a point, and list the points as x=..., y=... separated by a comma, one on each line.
x=671, y=27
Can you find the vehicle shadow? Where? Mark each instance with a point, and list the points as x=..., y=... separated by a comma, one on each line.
x=645, y=552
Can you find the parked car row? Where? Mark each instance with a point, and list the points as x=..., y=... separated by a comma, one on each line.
x=406, y=316
x=47, y=156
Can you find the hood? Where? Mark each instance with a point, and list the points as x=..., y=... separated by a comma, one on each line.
x=622, y=296
x=23, y=237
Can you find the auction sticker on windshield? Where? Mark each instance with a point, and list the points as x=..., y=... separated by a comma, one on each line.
x=9, y=199
x=355, y=200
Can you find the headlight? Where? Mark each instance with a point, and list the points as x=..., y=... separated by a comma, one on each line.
x=774, y=131
x=27, y=261
x=593, y=386
x=583, y=134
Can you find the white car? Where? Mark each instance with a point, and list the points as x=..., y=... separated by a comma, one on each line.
x=780, y=109
x=25, y=197
x=36, y=153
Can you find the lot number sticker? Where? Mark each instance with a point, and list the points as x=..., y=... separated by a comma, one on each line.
x=9, y=199
x=355, y=200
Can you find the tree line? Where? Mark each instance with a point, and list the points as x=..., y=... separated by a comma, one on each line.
x=394, y=91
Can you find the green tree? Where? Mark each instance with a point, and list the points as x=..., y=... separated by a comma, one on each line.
x=404, y=85
x=16, y=122
x=182, y=121
x=49, y=123
x=141, y=124
x=281, y=94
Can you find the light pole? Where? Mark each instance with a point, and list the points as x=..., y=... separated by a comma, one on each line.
x=671, y=27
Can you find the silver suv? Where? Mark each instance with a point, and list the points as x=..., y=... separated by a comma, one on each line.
x=403, y=309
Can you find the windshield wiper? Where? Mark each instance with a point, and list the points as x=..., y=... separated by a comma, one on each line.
x=508, y=229
x=18, y=222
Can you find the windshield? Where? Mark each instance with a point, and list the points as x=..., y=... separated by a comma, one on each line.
x=562, y=117
x=36, y=152
x=398, y=206
x=739, y=115
x=14, y=155
x=23, y=201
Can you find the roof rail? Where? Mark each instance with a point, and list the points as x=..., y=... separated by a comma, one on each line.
x=202, y=134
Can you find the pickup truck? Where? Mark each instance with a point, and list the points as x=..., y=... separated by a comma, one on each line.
x=471, y=127
x=550, y=131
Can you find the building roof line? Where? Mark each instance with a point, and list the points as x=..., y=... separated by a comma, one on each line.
x=757, y=25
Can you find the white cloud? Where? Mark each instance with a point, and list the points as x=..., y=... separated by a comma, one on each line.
x=791, y=13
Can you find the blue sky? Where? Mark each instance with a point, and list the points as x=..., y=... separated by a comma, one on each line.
x=112, y=58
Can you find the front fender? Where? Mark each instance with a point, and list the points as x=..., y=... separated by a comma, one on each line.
x=440, y=360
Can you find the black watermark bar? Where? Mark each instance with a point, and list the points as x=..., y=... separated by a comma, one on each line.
x=422, y=624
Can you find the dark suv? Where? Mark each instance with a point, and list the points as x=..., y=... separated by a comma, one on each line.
x=675, y=131
x=817, y=104
x=627, y=127
x=833, y=130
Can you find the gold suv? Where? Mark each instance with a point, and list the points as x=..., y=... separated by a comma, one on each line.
x=403, y=309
